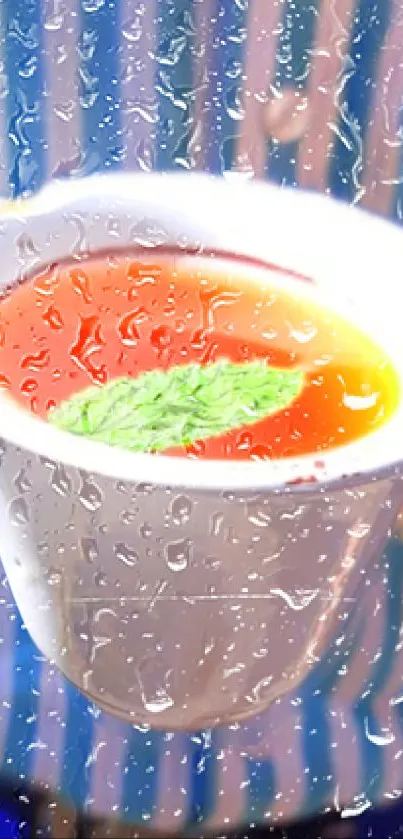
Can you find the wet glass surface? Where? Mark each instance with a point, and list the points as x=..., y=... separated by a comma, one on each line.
x=302, y=94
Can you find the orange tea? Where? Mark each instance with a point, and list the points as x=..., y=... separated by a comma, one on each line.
x=191, y=354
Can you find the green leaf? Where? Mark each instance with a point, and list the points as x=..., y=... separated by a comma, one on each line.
x=164, y=409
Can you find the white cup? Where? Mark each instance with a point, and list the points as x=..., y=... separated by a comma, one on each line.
x=180, y=593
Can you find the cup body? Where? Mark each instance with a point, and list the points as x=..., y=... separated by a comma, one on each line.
x=174, y=597
x=180, y=608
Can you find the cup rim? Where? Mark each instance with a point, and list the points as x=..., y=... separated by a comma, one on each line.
x=220, y=220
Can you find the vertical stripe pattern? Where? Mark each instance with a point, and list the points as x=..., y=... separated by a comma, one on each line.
x=383, y=149
x=21, y=739
x=292, y=68
x=99, y=98
x=175, y=37
x=367, y=36
x=225, y=115
x=203, y=15
x=60, y=24
x=49, y=726
x=8, y=622
x=325, y=84
x=4, y=82
x=25, y=102
x=264, y=20
x=137, y=97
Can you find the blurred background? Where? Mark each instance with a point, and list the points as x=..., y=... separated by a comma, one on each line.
x=303, y=92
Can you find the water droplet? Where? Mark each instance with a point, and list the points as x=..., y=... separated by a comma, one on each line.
x=55, y=21
x=127, y=329
x=171, y=50
x=89, y=341
x=244, y=441
x=53, y=576
x=81, y=284
x=53, y=318
x=148, y=234
x=90, y=6
x=28, y=67
x=128, y=516
x=359, y=529
x=140, y=315
x=233, y=104
x=42, y=548
x=18, y=511
x=36, y=362
x=100, y=579
x=269, y=333
x=180, y=509
x=65, y=110
x=122, y=487
x=216, y=524
x=4, y=88
x=196, y=449
x=209, y=646
x=60, y=480
x=80, y=245
x=144, y=278
x=260, y=690
x=46, y=281
x=144, y=489
x=360, y=403
x=211, y=562
x=258, y=517
x=160, y=702
x=145, y=152
x=161, y=338
x=303, y=336
x=113, y=227
x=145, y=530
x=87, y=44
x=90, y=91
x=89, y=549
x=233, y=68
x=262, y=652
x=125, y=554
x=22, y=482
x=27, y=251
x=90, y=495
x=97, y=643
x=60, y=53
x=297, y=600
x=384, y=739
x=100, y=613
x=154, y=689
x=28, y=386
x=178, y=554
x=132, y=29
x=212, y=298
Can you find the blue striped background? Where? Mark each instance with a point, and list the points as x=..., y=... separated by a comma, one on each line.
x=24, y=113
x=174, y=82
x=292, y=69
x=370, y=25
x=99, y=93
x=228, y=35
x=99, y=50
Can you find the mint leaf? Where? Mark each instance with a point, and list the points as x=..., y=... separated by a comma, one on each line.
x=164, y=409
